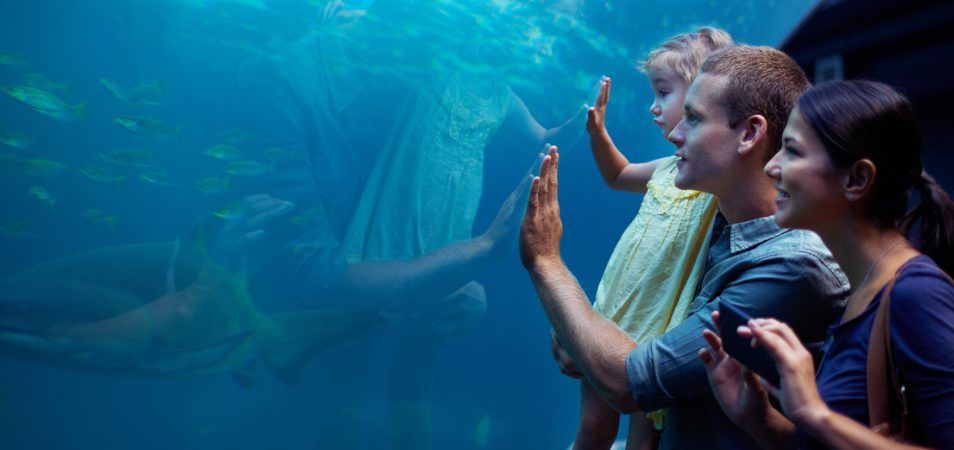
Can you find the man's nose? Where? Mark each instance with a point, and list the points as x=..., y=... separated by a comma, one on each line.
x=677, y=136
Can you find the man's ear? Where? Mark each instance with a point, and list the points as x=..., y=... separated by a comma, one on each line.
x=859, y=179
x=753, y=130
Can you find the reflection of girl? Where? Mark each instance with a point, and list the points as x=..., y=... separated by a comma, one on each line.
x=850, y=159
x=447, y=105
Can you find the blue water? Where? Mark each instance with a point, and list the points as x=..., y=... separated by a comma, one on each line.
x=496, y=386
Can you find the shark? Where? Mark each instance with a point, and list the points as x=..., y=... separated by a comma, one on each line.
x=118, y=311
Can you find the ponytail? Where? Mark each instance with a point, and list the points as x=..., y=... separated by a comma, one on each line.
x=935, y=219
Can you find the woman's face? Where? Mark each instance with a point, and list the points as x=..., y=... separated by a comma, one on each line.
x=810, y=188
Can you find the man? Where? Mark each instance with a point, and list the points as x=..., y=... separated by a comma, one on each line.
x=735, y=112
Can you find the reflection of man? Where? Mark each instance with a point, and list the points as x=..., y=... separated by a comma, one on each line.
x=735, y=112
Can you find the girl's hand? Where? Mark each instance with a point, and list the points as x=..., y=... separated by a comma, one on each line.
x=595, y=119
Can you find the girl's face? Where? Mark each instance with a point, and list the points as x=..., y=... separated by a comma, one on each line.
x=810, y=188
x=669, y=92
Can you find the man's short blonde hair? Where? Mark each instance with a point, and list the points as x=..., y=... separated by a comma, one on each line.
x=684, y=53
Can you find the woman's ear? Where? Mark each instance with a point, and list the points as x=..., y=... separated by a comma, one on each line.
x=860, y=178
x=753, y=129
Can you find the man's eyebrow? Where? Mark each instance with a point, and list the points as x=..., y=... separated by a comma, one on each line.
x=689, y=109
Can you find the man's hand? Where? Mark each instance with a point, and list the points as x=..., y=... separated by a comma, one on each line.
x=542, y=229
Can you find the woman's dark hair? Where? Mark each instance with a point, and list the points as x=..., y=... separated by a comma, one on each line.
x=860, y=119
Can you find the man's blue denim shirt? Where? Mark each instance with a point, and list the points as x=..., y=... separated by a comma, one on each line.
x=766, y=271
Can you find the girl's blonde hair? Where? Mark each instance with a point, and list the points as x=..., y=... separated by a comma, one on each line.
x=684, y=53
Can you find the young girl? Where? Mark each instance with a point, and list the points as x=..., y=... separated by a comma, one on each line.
x=651, y=277
x=851, y=159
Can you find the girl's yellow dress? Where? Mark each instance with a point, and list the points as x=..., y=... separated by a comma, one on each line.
x=651, y=277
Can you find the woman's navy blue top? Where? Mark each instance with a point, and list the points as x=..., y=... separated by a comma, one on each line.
x=922, y=339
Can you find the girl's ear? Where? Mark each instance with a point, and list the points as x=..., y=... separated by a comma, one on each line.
x=859, y=180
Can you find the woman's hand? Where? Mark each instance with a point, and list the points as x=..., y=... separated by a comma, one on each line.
x=736, y=388
x=798, y=392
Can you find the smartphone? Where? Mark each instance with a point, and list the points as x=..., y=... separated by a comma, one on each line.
x=756, y=359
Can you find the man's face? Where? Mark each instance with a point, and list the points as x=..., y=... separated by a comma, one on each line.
x=705, y=145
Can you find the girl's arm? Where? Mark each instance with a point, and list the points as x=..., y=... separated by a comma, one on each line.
x=617, y=171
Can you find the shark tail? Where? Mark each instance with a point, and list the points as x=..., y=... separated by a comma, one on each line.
x=297, y=337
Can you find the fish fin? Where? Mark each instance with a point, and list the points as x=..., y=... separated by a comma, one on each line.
x=80, y=111
x=297, y=337
x=244, y=375
x=171, y=268
x=26, y=333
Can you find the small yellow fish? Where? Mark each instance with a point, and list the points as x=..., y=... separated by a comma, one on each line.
x=213, y=185
x=16, y=140
x=157, y=178
x=129, y=157
x=8, y=58
x=97, y=217
x=20, y=228
x=306, y=219
x=46, y=103
x=139, y=95
x=100, y=175
x=37, y=167
x=43, y=195
x=275, y=153
x=230, y=213
x=223, y=151
x=40, y=82
x=246, y=168
x=236, y=136
x=306, y=248
x=148, y=127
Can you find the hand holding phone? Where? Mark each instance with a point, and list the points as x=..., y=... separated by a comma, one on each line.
x=756, y=359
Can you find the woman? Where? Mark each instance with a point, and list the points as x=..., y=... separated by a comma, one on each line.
x=850, y=160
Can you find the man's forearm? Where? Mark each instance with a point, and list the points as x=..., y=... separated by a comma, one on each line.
x=596, y=344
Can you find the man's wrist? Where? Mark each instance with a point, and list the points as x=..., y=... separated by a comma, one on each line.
x=545, y=264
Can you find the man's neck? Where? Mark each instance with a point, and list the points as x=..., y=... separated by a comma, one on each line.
x=752, y=201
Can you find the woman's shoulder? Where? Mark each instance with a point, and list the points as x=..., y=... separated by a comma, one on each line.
x=922, y=288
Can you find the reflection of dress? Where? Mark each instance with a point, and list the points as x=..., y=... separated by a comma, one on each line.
x=424, y=189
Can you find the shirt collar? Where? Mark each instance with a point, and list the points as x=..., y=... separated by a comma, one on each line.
x=748, y=234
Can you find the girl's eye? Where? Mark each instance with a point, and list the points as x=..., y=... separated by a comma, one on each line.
x=791, y=151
